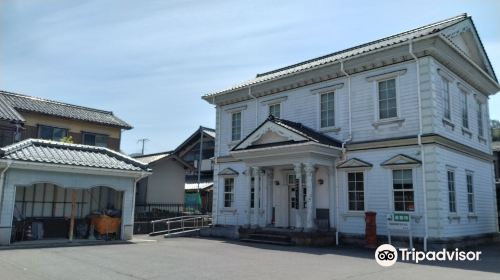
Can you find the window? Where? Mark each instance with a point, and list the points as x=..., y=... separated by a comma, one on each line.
x=480, y=126
x=446, y=99
x=470, y=193
x=236, y=126
x=275, y=110
x=51, y=132
x=356, y=190
x=252, y=193
x=465, y=110
x=252, y=197
x=327, y=105
x=387, y=107
x=402, y=184
x=452, y=203
x=93, y=139
x=228, y=192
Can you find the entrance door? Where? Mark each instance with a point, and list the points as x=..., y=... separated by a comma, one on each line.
x=280, y=198
x=296, y=210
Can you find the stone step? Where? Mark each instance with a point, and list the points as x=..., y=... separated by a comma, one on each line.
x=261, y=241
x=269, y=236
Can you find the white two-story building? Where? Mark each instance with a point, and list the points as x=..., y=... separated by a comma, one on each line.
x=400, y=124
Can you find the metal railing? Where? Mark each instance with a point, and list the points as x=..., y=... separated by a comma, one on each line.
x=180, y=224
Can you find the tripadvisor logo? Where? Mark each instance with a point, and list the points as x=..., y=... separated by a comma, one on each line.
x=386, y=255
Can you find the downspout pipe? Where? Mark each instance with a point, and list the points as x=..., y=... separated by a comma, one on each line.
x=256, y=106
x=419, y=139
x=349, y=138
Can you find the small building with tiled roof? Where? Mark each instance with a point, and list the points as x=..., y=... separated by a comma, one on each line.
x=50, y=190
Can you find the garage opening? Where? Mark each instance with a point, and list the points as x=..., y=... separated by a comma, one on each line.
x=49, y=212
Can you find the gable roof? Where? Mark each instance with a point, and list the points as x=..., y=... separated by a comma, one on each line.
x=210, y=132
x=150, y=158
x=52, y=152
x=19, y=102
x=400, y=160
x=307, y=133
x=338, y=56
x=354, y=163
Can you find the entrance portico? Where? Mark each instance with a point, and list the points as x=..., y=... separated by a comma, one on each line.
x=287, y=164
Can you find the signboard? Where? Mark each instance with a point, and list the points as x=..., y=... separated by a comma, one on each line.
x=399, y=222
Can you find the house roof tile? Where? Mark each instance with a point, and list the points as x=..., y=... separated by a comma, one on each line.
x=52, y=152
x=19, y=102
x=345, y=54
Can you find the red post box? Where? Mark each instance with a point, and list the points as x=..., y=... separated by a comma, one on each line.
x=371, y=229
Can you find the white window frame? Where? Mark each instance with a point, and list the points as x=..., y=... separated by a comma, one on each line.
x=396, y=95
x=232, y=192
x=465, y=109
x=375, y=79
x=233, y=139
x=413, y=182
x=470, y=193
x=334, y=110
x=446, y=92
x=271, y=105
x=480, y=118
x=451, y=193
x=362, y=171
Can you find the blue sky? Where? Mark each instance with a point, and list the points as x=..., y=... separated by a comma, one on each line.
x=150, y=61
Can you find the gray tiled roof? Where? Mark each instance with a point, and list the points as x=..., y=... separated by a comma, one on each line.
x=147, y=159
x=347, y=53
x=22, y=102
x=52, y=152
x=8, y=113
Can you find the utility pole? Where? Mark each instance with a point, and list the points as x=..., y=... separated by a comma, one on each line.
x=143, y=141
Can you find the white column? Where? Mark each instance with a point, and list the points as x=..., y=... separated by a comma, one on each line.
x=256, y=204
x=7, y=212
x=249, y=186
x=127, y=214
x=309, y=170
x=297, y=167
x=269, y=204
x=331, y=194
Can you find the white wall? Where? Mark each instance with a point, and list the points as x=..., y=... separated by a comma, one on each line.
x=301, y=105
x=378, y=191
x=166, y=184
x=456, y=111
x=484, y=194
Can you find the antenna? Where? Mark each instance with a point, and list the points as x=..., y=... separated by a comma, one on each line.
x=143, y=140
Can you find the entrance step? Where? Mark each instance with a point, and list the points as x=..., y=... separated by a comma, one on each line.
x=266, y=242
x=267, y=238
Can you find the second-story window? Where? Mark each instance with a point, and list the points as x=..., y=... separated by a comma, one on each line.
x=94, y=139
x=235, y=126
x=446, y=99
x=51, y=132
x=480, y=125
x=275, y=110
x=327, y=109
x=465, y=110
x=387, y=105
